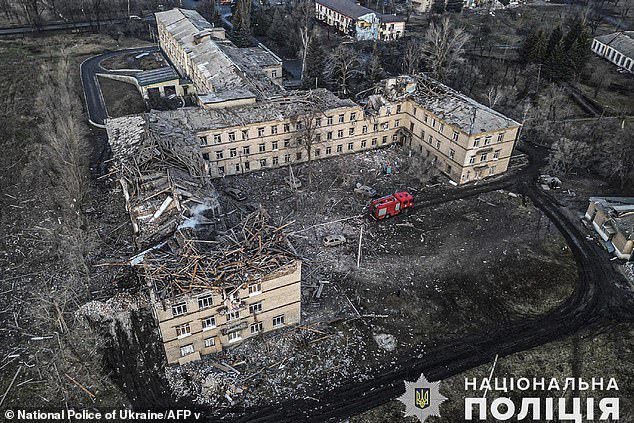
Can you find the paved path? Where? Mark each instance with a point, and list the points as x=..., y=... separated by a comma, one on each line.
x=95, y=105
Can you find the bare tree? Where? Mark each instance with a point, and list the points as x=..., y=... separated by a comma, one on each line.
x=307, y=136
x=444, y=45
x=412, y=56
x=341, y=65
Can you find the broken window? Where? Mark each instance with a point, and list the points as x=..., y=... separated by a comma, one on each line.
x=350, y=146
x=209, y=323
x=275, y=160
x=187, y=349
x=210, y=342
x=384, y=139
x=287, y=143
x=273, y=129
x=501, y=137
x=441, y=128
x=256, y=328
x=329, y=135
x=237, y=167
x=255, y=308
x=262, y=162
x=183, y=330
x=262, y=148
x=375, y=127
x=234, y=336
x=329, y=121
x=178, y=309
x=328, y=150
x=298, y=155
x=483, y=157
x=492, y=170
x=219, y=155
x=205, y=302
x=364, y=129
x=452, y=153
x=397, y=123
x=232, y=136
x=496, y=154
x=287, y=158
x=274, y=145
x=455, y=136
x=274, y=73
x=476, y=142
x=425, y=118
x=217, y=138
x=287, y=127
x=246, y=149
x=433, y=123
x=398, y=108
x=339, y=148
x=411, y=127
x=340, y=133
x=353, y=116
x=351, y=131
x=278, y=321
x=203, y=140
x=317, y=122
x=385, y=125
x=487, y=140
x=317, y=152
x=438, y=144
x=260, y=132
x=245, y=135
x=206, y=156
x=472, y=160
x=364, y=143
x=342, y=118
x=247, y=166
x=233, y=315
x=414, y=111
x=373, y=142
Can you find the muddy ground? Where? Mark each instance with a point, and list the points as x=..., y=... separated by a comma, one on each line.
x=121, y=98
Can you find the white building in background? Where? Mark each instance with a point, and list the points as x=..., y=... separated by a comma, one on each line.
x=360, y=22
x=617, y=48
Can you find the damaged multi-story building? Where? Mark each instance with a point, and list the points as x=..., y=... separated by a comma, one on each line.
x=211, y=283
x=214, y=278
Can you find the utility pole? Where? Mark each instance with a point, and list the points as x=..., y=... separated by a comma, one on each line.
x=128, y=8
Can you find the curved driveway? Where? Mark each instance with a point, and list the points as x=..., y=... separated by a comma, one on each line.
x=89, y=68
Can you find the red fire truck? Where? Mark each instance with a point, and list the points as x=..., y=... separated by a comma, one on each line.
x=391, y=205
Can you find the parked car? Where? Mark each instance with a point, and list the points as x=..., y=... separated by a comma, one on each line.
x=365, y=190
x=236, y=194
x=333, y=240
x=293, y=183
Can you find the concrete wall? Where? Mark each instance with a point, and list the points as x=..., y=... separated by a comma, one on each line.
x=612, y=55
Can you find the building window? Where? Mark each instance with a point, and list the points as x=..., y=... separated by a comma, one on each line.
x=501, y=137
x=278, y=321
x=433, y=123
x=274, y=73
x=317, y=122
x=350, y=146
x=206, y=156
x=448, y=168
x=385, y=125
x=441, y=128
x=221, y=170
x=205, y=302
x=342, y=118
x=414, y=111
x=411, y=127
x=287, y=143
x=246, y=149
x=256, y=328
x=375, y=127
x=384, y=139
x=340, y=133
x=183, y=330
x=364, y=143
x=247, y=166
x=398, y=106
x=233, y=315
x=245, y=135
x=287, y=127
x=329, y=120
x=234, y=336
x=476, y=142
x=275, y=160
x=232, y=136
x=472, y=160
x=397, y=123
x=487, y=140
x=209, y=323
x=187, y=349
x=298, y=155
x=373, y=142
x=273, y=129
x=255, y=308
x=455, y=136
x=287, y=158
x=483, y=157
x=350, y=131
x=262, y=162
x=219, y=155
x=178, y=309
x=299, y=125
x=492, y=170
x=237, y=167
x=217, y=138
x=364, y=130
x=210, y=342
x=339, y=148
x=262, y=148
x=425, y=118
x=438, y=144
x=329, y=135
x=496, y=154
x=353, y=116
x=317, y=152
x=328, y=150
x=203, y=141
x=233, y=152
